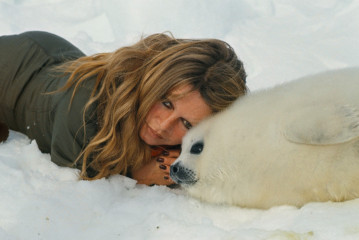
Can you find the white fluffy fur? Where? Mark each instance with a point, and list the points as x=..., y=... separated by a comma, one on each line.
x=292, y=144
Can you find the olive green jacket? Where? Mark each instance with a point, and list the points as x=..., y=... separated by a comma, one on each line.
x=26, y=74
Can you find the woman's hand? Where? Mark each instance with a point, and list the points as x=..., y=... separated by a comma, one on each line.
x=157, y=170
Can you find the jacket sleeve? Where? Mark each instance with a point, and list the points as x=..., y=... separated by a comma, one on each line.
x=68, y=138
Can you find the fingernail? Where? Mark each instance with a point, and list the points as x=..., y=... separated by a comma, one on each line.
x=160, y=160
x=165, y=153
x=163, y=167
x=165, y=177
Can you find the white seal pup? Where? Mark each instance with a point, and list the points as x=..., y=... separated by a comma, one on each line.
x=292, y=144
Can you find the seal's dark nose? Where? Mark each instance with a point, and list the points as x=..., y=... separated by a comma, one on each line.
x=181, y=174
x=174, y=168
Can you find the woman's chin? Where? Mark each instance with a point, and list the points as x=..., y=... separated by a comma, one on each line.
x=151, y=141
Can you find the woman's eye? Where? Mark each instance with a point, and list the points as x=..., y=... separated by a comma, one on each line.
x=187, y=124
x=167, y=104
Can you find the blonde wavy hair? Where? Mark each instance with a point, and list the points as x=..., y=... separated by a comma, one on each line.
x=130, y=80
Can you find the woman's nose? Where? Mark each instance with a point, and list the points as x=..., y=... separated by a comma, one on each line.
x=167, y=124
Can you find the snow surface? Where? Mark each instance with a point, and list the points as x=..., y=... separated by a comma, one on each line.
x=278, y=40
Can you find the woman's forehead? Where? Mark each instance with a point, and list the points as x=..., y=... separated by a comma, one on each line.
x=180, y=91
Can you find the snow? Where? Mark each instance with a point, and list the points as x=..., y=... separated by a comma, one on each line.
x=278, y=40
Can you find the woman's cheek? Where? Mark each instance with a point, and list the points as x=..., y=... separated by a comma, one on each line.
x=177, y=136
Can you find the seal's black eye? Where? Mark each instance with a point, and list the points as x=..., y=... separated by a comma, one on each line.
x=197, y=148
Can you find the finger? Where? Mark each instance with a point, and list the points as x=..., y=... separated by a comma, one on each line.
x=164, y=168
x=166, y=160
x=171, y=153
x=168, y=179
x=164, y=179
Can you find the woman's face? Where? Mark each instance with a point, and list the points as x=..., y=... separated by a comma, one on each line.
x=167, y=122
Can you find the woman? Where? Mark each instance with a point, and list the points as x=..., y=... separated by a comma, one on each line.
x=123, y=112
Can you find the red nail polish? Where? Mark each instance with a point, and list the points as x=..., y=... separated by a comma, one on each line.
x=163, y=167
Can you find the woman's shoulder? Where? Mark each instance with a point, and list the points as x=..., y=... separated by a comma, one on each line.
x=54, y=45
